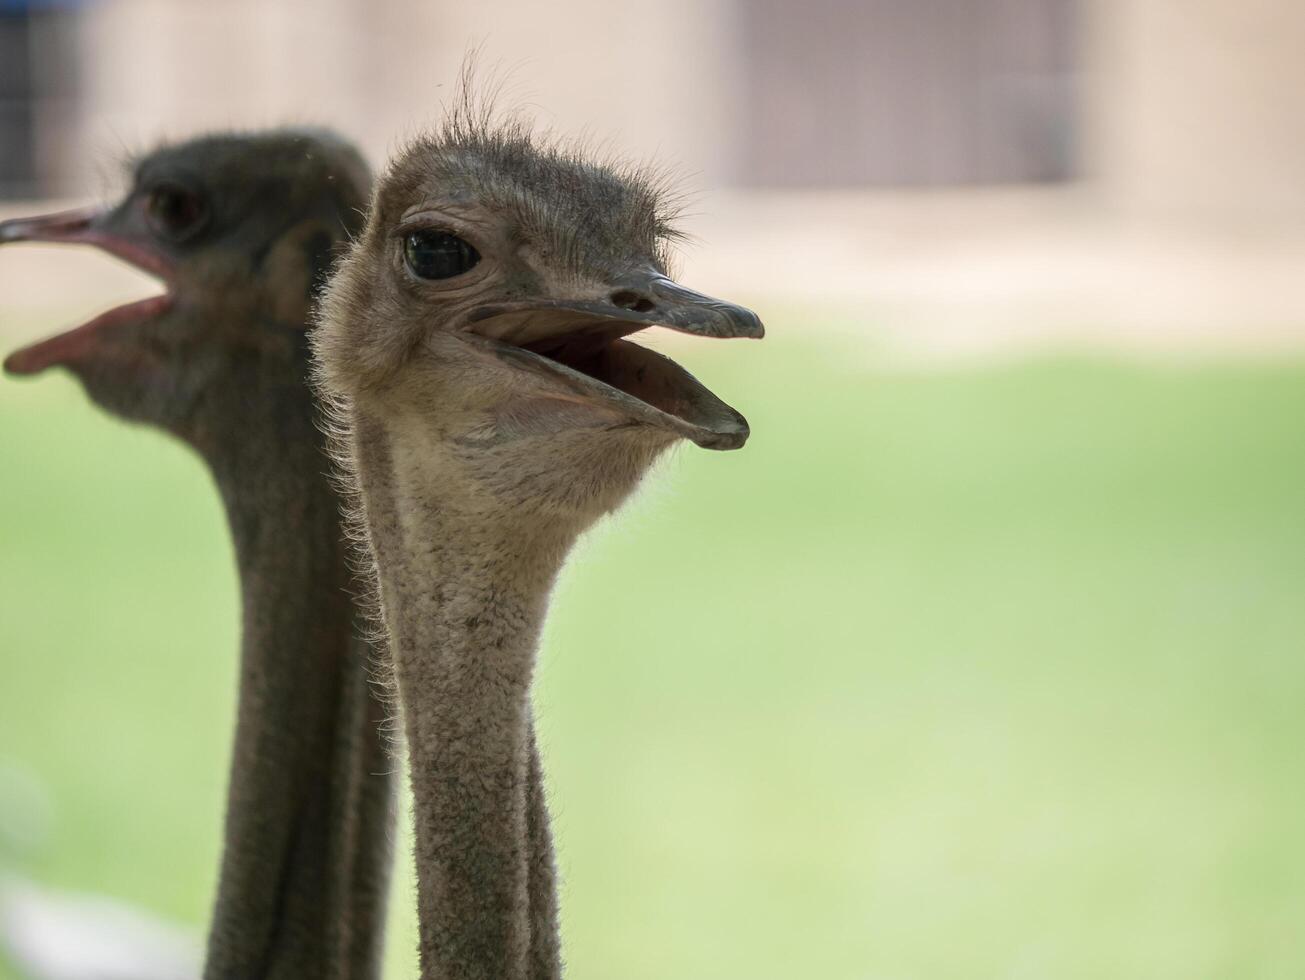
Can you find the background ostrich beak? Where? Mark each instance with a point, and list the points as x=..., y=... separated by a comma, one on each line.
x=86, y=226
x=60, y=227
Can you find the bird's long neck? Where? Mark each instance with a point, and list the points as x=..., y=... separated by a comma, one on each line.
x=305, y=865
x=464, y=590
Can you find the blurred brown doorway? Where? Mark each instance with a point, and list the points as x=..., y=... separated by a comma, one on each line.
x=908, y=92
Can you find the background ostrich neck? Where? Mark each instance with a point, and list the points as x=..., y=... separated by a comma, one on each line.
x=305, y=866
x=464, y=596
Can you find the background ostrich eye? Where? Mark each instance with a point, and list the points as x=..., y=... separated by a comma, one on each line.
x=438, y=254
x=175, y=212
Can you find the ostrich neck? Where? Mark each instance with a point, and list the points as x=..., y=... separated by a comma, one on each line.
x=304, y=875
x=464, y=594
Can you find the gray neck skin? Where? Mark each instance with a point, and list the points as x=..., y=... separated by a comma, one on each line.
x=305, y=866
x=463, y=602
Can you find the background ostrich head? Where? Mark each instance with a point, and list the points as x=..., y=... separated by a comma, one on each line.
x=492, y=293
x=241, y=229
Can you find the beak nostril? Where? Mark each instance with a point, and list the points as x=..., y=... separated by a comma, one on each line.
x=628, y=299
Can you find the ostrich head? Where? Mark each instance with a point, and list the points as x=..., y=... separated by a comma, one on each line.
x=489, y=302
x=241, y=229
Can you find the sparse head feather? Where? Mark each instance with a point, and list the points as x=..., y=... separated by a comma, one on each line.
x=579, y=210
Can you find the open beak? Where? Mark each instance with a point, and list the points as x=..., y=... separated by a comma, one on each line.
x=85, y=226
x=581, y=344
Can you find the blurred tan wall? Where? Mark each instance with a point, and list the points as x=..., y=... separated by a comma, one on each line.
x=1192, y=106
x=1195, y=108
x=655, y=80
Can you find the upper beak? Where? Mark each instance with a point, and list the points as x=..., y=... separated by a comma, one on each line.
x=634, y=302
x=86, y=226
x=64, y=226
x=684, y=309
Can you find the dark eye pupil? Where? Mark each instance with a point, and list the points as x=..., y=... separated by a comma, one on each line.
x=438, y=254
x=174, y=211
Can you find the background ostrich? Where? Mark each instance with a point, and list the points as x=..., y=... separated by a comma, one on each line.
x=490, y=412
x=241, y=229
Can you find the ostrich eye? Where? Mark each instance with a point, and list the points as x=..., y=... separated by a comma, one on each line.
x=438, y=254
x=174, y=212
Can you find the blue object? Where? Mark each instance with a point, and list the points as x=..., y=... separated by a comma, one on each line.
x=33, y=6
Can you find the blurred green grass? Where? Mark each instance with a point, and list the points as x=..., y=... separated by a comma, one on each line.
x=964, y=673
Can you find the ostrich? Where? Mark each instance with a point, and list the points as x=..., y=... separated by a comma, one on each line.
x=488, y=410
x=242, y=228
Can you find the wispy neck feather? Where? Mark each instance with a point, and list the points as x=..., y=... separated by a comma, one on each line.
x=462, y=592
